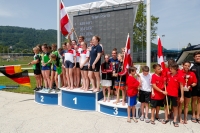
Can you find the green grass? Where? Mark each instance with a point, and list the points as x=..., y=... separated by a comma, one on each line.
x=21, y=89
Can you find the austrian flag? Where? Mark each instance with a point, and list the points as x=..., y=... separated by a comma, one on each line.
x=64, y=20
x=160, y=54
x=127, y=57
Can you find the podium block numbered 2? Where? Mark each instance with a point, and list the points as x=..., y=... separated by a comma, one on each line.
x=46, y=98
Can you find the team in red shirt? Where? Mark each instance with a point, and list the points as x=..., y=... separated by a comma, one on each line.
x=172, y=87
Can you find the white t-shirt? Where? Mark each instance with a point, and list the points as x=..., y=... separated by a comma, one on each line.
x=145, y=82
x=69, y=56
x=84, y=54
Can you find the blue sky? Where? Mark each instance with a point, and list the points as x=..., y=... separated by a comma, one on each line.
x=179, y=20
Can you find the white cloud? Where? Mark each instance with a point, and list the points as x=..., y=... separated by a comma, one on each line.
x=6, y=13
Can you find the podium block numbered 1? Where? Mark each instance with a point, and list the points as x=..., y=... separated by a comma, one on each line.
x=46, y=98
x=80, y=100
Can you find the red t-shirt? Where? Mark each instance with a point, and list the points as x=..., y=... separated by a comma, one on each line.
x=190, y=76
x=173, y=84
x=132, y=85
x=159, y=82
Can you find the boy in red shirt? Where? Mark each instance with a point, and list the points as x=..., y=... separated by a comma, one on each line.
x=132, y=91
x=158, y=93
x=190, y=81
x=174, y=82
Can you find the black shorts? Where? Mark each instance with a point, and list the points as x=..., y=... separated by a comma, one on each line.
x=96, y=69
x=84, y=68
x=156, y=103
x=195, y=92
x=144, y=97
x=187, y=94
x=69, y=64
x=77, y=65
x=37, y=72
x=172, y=100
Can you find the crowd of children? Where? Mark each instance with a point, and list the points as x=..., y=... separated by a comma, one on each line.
x=79, y=65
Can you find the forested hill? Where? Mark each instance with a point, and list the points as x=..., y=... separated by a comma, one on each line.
x=24, y=39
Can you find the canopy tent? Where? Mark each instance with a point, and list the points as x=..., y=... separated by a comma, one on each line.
x=101, y=6
x=187, y=54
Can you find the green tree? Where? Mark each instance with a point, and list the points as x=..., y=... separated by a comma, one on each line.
x=139, y=28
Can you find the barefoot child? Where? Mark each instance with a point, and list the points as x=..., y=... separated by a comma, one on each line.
x=106, y=82
x=174, y=82
x=36, y=68
x=121, y=79
x=145, y=93
x=132, y=91
x=158, y=94
x=190, y=81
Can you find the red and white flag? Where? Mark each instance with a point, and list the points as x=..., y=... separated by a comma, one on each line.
x=160, y=54
x=64, y=20
x=127, y=57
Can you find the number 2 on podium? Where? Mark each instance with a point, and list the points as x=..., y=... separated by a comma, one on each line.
x=42, y=99
x=75, y=100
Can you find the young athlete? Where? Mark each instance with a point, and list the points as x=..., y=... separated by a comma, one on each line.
x=196, y=89
x=132, y=91
x=84, y=59
x=158, y=93
x=77, y=72
x=70, y=64
x=174, y=83
x=36, y=68
x=53, y=66
x=106, y=82
x=145, y=93
x=64, y=46
x=120, y=73
x=190, y=81
x=45, y=67
x=54, y=60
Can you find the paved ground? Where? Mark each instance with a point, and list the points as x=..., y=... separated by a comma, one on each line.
x=20, y=114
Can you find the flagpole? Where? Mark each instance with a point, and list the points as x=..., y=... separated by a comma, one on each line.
x=58, y=32
x=148, y=49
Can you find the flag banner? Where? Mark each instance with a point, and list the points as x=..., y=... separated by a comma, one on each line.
x=160, y=54
x=127, y=57
x=64, y=20
x=11, y=69
x=21, y=78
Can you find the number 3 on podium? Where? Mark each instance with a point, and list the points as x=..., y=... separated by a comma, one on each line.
x=115, y=111
x=75, y=100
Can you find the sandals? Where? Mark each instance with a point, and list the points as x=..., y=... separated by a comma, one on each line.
x=193, y=119
x=198, y=120
x=135, y=120
x=175, y=124
x=142, y=118
x=165, y=121
x=153, y=122
x=129, y=121
x=146, y=120
x=158, y=119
